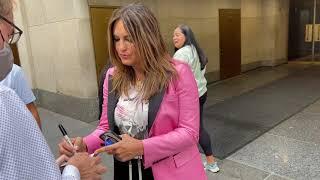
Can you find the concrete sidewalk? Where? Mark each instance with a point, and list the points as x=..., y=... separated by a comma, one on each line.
x=289, y=151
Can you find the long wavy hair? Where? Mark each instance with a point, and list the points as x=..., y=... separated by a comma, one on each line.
x=191, y=40
x=143, y=28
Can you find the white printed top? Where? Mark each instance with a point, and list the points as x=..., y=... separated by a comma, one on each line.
x=131, y=115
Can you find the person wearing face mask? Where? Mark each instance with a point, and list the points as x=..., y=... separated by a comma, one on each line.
x=26, y=154
x=12, y=75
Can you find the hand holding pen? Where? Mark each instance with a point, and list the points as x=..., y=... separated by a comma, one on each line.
x=70, y=146
x=65, y=134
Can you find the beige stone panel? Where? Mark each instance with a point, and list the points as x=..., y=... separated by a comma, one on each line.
x=43, y=43
x=152, y=5
x=211, y=49
x=284, y=6
x=170, y=9
x=271, y=7
x=187, y=9
x=86, y=59
x=57, y=58
x=58, y=10
x=228, y=4
x=282, y=42
x=281, y=38
x=250, y=40
x=251, y=8
x=207, y=34
x=275, y=40
x=74, y=63
x=35, y=12
x=67, y=67
x=81, y=9
x=24, y=44
x=208, y=39
x=110, y=2
x=268, y=37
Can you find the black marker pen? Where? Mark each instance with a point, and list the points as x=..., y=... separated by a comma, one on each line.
x=65, y=135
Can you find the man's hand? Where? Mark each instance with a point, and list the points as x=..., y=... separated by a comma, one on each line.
x=124, y=150
x=68, y=150
x=63, y=158
x=90, y=168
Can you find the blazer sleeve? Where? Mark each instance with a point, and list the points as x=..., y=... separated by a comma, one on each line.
x=93, y=140
x=186, y=134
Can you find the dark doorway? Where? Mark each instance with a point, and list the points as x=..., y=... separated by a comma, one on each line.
x=99, y=23
x=230, y=42
x=300, y=20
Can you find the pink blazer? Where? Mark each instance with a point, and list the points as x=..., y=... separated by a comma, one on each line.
x=173, y=124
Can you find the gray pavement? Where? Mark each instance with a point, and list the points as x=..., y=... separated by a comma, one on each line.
x=289, y=151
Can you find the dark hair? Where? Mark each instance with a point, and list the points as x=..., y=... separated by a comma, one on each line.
x=191, y=40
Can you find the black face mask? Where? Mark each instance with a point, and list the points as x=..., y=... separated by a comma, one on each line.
x=6, y=61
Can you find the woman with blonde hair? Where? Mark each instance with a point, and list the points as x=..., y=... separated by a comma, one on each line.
x=148, y=103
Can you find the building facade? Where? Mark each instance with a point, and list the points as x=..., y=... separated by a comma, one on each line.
x=63, y=48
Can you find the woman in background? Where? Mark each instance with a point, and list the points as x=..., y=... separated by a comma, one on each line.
x=188, y=51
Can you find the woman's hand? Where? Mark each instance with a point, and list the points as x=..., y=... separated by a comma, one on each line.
x=124, y=150
x=78, y=146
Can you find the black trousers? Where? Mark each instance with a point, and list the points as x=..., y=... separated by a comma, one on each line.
x=121, y=171
x=204, y=138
